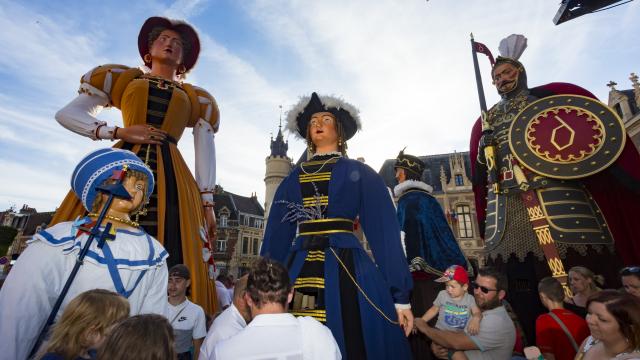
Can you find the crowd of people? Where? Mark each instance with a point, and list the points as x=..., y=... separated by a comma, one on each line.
x=96, y=324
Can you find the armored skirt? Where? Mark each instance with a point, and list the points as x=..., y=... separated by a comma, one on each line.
x=174, y=214
x=310, y=229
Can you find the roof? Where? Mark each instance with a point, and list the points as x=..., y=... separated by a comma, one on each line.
x=237, y=204
x=35, y=220
x=635, y=107
x=431, y=174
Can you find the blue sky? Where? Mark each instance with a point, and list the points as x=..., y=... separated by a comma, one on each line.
x=405, y=63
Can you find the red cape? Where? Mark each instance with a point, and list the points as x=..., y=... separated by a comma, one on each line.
x=616, y=189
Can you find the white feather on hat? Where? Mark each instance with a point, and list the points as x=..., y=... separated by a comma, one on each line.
x=328, y=101
x=512, y=46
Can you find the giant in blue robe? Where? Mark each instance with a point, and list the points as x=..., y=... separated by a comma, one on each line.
x=354, y=190
x=430, y=244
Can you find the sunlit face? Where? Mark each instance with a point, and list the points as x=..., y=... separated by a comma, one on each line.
x=177, y=286
x=631, y=284
x=492, y=298
x=167, y=48
x=455, y=290
x=400, y=175
x=505, y=77
x=578, y=283
x=602, y=324
x=136, y=188
x=322, y=129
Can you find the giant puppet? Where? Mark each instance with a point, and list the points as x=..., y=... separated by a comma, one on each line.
x=105, y=249
x=310, y=229
x=429, y=243
x=157, y=106
x=556, y=182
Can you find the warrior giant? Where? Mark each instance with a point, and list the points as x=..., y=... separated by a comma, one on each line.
x=558, y=180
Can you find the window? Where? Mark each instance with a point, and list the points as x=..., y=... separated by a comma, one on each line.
x=255, y=247
x=245, y=245
x=465, y=226
x=224, y=220
x=259, y=223
x=459, y=180
x=221, y=245
x=245, y=220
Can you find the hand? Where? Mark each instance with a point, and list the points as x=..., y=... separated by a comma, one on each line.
x=211, y=225
x=405, y=318
x=421, y=324
x=141, y=134
x=487, y=139
x=474, y=326
x=439, y=351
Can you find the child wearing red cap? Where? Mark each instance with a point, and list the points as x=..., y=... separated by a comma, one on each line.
x=454, y=306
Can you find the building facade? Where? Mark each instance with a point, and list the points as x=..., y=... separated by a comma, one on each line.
x=449, y=175
x=240, y=231
x=626, y=104
x=278, y=166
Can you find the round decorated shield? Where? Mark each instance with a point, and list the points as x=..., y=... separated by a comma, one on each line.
x=566, y=136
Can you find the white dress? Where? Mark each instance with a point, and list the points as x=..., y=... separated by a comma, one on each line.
x=133, y=264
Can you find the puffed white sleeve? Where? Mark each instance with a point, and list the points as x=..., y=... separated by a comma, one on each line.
x=99, y=88
x=80, y=114
x=204, y=141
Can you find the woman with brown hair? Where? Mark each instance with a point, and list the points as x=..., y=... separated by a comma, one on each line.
x=157, y=107
x=84, y=325
x=140, y=337
x=614, y=322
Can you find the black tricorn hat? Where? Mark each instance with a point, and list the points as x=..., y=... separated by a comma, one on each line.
x=299, y=116
x=185, y=30
x=409, y=162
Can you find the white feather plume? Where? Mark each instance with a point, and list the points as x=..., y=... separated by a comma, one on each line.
x=512, y=46
x=329, y=101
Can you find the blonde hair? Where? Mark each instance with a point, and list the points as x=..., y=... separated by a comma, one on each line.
x=140, y=337
x=94, y=310
x=596, y=280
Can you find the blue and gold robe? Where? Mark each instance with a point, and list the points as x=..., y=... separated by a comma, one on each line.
x=344, y=189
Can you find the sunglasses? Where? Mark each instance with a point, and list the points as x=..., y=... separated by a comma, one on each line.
x=484, y=289
x=630, y=270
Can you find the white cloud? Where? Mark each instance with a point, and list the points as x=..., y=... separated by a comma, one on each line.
x=405, y=64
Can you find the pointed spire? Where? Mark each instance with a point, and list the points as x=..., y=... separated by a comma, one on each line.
x=636, y=86
x=279, y=147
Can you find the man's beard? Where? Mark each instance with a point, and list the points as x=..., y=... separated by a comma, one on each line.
x=490, y=304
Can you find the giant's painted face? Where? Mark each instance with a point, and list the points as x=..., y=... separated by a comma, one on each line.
x=505, y=77
x=167, y=48
x=322, y=129
x=136, y=188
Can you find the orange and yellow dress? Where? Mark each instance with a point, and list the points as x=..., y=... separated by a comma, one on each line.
x=174, y=214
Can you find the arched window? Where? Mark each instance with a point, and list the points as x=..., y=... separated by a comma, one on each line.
x=465, y=226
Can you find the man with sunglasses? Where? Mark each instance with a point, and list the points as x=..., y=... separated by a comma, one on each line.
x=497, y=334
x=630, y=278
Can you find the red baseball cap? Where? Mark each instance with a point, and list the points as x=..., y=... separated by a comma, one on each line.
x=455, y=272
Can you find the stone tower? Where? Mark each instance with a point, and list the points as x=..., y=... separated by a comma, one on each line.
x=278, y=167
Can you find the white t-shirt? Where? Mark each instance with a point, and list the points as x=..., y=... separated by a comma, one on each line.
x=224, y=299
x=496, y=337
x=227, y=324
x=188, y=322
x=280, y=337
